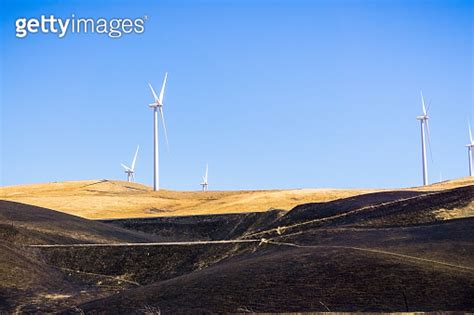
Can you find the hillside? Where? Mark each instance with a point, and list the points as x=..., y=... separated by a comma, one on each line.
x=104, y=199
x=387, y=250
x=377, y=270
x=25, y=274
x=26, y=224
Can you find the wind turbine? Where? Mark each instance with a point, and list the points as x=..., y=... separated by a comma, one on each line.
x=424, y=127
x=204, y=180
x=157, y=106
x=470, y=146
x=130, y=171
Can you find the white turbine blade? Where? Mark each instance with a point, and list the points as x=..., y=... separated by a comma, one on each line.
x=429, y=139
x=154, y=94
x=164, y=127
x=135, y=159
x=206, y=172
x=470, y=134
x=428, y=108
x=162, y=92
x=423, y=103
x=125, y=167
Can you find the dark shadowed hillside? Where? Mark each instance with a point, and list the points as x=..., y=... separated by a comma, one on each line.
x=387, y=252
x=291, y=279
x=201, y=227
x=25, y=224
x=25, y=273
x=377, y=210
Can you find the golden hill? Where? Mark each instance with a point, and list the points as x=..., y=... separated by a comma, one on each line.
x=104, y=199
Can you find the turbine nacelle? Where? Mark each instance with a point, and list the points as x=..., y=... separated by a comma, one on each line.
x=424, y=117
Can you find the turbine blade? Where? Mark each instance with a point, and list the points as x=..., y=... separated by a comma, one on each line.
x=428, y=107
x=206, y=171
x=164, y=128
x=125, y=167
x=470, y=134
x=429, y=139
x=423, y=103
x=162, y=93
x=135, y=159
x=154, y=94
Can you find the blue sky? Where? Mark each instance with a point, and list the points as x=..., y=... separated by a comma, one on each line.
x=272, y=94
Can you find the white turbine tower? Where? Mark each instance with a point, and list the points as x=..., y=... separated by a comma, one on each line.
x=204, y=180
x=425, y=134
x=157, y=106
x=130, y=171
x=470, y=146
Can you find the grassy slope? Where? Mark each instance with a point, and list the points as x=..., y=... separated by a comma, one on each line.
x=117, y=199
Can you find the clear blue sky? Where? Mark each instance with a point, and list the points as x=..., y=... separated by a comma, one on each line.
x=272, y=94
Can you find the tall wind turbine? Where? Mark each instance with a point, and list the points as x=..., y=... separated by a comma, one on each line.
x=204, y=180
x=157, y=106
x=130, y=171
x=470, y=146
x=425, y=134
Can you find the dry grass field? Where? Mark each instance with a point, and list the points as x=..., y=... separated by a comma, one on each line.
x=105, y=199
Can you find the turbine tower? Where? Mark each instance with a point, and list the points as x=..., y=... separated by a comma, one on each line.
x=470, y=146
x=130, y=171
x=204, y=180
x=157, y=106
x=425, y=135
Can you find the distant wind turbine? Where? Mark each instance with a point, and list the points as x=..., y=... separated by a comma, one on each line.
x=157, y=106
x=130, y=171
x=470, y=146
x=204, y=180
x=425, y=128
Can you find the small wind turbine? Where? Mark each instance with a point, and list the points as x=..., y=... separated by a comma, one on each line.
x=204, y=180
x=424, y=127
x=130, y=171
x=470, y=146
x=157, y=106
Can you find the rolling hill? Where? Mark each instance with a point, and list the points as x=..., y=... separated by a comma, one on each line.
x=26, y=224
x=104, y=199
x=385, y=250
x=25, y=274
